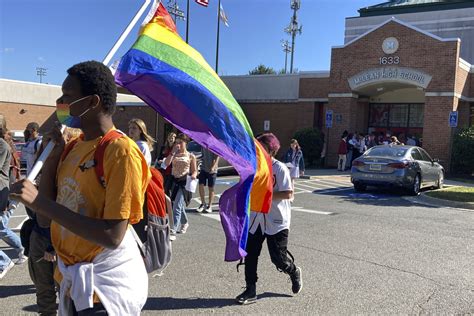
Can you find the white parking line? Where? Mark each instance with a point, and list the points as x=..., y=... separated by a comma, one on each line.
x=300, y=209
x=216, y=216
x=324, y=191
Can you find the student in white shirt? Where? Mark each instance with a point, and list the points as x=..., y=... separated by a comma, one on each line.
x=33, y=144
x=274, y=227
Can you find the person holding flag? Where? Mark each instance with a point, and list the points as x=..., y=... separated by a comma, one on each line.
x=101, y=268
x=274, y=227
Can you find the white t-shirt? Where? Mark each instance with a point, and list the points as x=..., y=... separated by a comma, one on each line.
x=29, y=151
x=145, y=149
x=279, y=216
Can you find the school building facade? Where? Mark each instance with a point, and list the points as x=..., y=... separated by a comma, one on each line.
x=405, y=67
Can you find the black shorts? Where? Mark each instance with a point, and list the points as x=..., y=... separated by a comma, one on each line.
x=206, y=178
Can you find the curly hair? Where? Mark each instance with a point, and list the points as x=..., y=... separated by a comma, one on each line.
x=96, y=78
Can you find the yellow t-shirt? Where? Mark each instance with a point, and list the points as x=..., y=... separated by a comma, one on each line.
x=126, y=176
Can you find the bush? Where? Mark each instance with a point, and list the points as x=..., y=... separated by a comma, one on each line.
x=462, y=158
x=311, y=142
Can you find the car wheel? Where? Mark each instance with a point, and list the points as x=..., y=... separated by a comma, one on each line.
x=415, y=186
x=359, y=187
x=440, y=180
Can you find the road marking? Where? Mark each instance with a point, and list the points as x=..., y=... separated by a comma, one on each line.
x=216, y=216
x=13, y=216
x=300, y=209
x=324, y=191
x=17, y=229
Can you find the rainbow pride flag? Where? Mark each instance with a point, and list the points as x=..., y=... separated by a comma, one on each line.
x=174, y=79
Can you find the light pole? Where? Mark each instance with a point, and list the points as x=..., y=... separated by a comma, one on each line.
x=175, y=11
x=287, y=49
x=41, y=72
x=294, y=28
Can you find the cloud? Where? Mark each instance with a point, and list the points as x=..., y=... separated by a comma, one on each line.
x=7, y=50
x=41, y=59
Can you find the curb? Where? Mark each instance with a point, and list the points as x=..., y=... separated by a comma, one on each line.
x=431, y=201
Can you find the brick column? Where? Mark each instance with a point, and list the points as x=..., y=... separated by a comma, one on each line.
x=437, y=135
x=348, y=108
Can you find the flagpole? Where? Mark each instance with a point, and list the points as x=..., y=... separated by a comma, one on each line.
x=187, y=22
x=217, y=44
x=125, y=33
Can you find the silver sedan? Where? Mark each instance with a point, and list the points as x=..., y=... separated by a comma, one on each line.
x=408, y=167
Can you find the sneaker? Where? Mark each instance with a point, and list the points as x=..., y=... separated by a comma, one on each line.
x=208, y=209
x=7, y=268
x=184, y=228
x=248, y=296
x=201, y=208
x=21, y=258
x=172, y=237
x=296, y=281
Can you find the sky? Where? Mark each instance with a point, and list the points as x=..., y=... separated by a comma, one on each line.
x=56, y=34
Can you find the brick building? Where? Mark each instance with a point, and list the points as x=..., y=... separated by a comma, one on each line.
x=404, y=67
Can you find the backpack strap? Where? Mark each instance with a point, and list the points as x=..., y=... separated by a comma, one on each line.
x=70, y=146
x=100, y=152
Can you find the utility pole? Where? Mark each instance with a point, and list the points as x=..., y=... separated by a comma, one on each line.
x=41, y=72
x=218, y=31
x=175, y=11
x=187, y=22
x=294, y=28
x=287, y=49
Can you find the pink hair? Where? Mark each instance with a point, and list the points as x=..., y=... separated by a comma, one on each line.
x=270, y=141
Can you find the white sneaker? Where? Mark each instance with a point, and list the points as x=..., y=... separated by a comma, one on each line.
x=172, y=237
x=201, y=208
x=7, y=268
x=208, y=209
x=21, y=258
x=184, y=228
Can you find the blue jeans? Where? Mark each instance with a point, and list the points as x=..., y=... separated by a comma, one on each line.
x=8, y=236
x=179, y=210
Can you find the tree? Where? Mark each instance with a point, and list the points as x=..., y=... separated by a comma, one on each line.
x=262, y=70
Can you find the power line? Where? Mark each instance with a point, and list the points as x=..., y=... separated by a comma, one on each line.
x=294, y=28
x=41, y=72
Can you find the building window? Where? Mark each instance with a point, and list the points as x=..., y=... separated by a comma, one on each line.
x=397, y=115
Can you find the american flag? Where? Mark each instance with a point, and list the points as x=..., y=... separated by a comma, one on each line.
x=204, y=3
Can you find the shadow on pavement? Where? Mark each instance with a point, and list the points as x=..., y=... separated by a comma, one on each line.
x=172, y=303
x=271, y=294
x=13, y=290
x=31, y=308
x=376, y=196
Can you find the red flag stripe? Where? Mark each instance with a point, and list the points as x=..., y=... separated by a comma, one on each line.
x=203, y=2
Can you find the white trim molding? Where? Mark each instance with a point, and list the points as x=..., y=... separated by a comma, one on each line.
x=343, y=95
x=393, y=19
x=449, y=94
x=323, y=100
x=466, y=65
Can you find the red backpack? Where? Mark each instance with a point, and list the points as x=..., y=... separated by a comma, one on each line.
x=152, y=233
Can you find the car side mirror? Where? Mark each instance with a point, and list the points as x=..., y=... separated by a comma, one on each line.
x=435, y=160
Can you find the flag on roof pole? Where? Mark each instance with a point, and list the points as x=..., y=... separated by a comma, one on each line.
x=223, y=16
x=204, y=3
x=176, y=81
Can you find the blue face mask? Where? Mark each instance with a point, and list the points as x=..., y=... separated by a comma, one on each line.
x=63, y=112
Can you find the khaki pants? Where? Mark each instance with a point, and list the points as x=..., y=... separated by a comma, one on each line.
x=41, y=273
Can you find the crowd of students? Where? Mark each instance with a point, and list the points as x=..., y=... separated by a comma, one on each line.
x=79, y=239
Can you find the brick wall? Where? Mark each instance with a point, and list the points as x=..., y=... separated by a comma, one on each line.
x=314, y=87
x=18, y=119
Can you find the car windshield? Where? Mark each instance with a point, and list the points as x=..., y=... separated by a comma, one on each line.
x=386, y=151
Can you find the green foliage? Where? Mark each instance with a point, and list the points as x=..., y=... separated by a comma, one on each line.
x=262, y=70
x=463, y=151
x=311, y=142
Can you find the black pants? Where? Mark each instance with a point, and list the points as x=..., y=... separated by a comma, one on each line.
x=41, y=273
x=277, y=247
x=97, y=309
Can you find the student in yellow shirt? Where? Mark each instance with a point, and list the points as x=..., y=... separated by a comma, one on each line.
x=100, y=264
